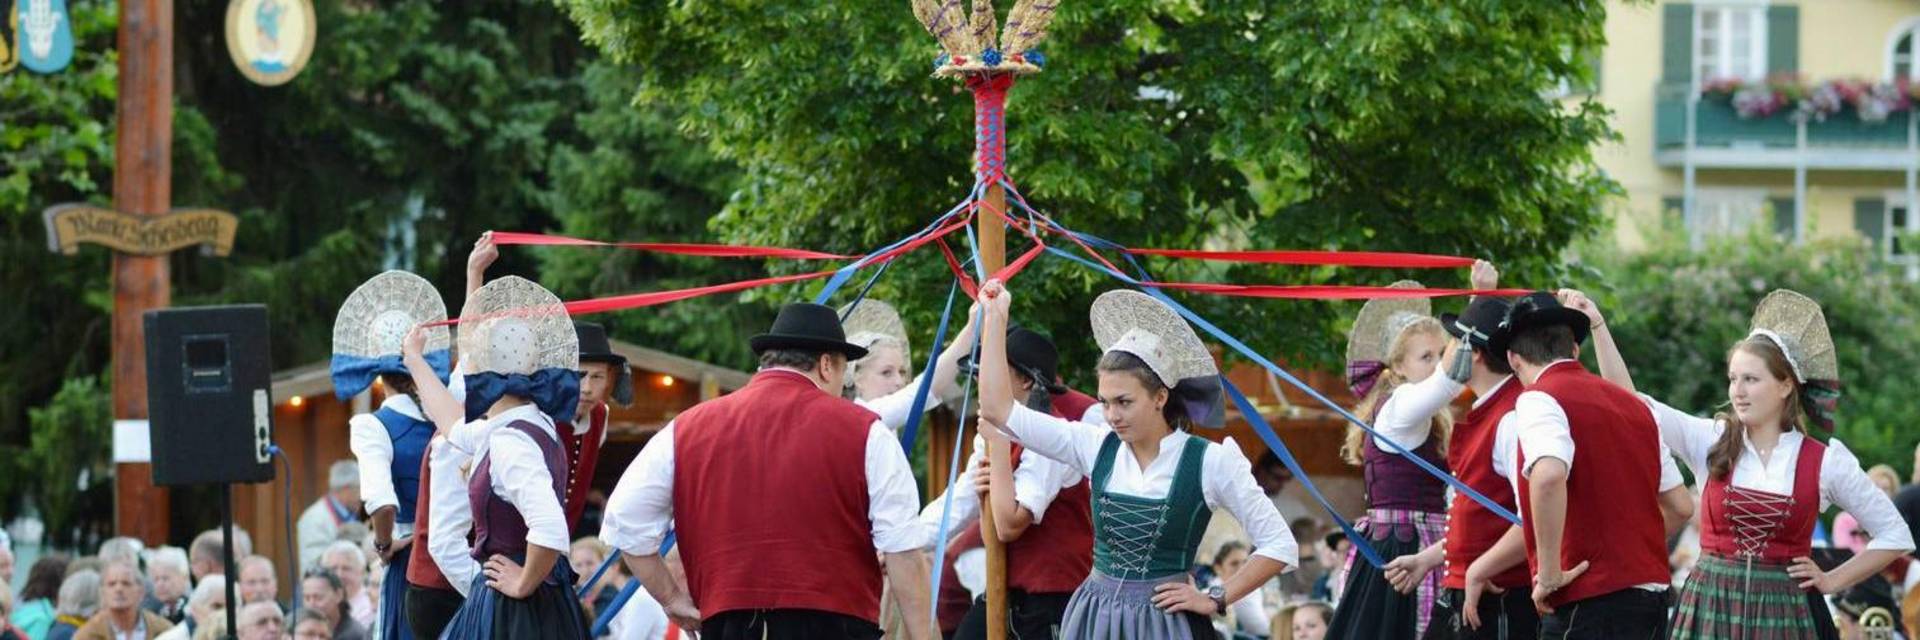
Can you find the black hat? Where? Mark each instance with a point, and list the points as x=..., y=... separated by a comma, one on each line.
x=1033, y=355
x=1537, y=309
x=594, y=347
x=808, y=326
x=1477, y=323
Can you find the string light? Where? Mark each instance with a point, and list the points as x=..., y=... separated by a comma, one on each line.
x=296, y=401
x=666, y=381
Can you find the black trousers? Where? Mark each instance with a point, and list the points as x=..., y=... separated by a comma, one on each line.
x=786, y=624
x=429, y=610
x=1030, y=616
x=1503, y=616
x=1627, y=614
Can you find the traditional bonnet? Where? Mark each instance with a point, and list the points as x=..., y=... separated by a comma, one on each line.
x=372, y=323
x=869, y=321
x=1794, y=323
x=1135, y=323
x=1380, y=321
x=516, y=339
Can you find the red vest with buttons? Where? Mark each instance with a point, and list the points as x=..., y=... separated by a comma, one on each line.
x=583, y=453
x=770, y=500
x=1613, y=492
x=1472, y=528
x=421, y=570
x=1789, y=519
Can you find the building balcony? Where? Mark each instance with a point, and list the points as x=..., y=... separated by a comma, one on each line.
x=1721, y=139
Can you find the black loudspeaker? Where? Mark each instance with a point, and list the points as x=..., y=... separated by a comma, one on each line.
x=209, y=404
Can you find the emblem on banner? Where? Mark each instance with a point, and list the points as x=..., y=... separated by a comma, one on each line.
x=43, y=35
x=270, y=40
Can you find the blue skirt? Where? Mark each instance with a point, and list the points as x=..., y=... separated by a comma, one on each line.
x=550, y=612
x=393, y=600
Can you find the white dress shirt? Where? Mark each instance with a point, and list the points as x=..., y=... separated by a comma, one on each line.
x=1406, y=417
x=1037, y=480
x=449, y=514
x=894, y=408
x=1226, y=477
x=367, y=437
x=640, y=510
x=641, y=618
x=1841, y=480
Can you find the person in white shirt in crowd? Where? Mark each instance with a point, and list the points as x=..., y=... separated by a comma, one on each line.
x=319, y=525
x=738, y=476
x=209, y=600
x=1154, y=485
x=167, y=569
x=521, y=362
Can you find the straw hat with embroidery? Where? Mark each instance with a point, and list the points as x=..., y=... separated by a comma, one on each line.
x=376, y=316
x=516, y=336
x=1380, y=322
x=1796, y=324
x=1136, y=323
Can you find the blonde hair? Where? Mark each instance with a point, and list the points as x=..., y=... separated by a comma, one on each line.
x=1882, y=471
x=1355, y=446
x=1281, y=626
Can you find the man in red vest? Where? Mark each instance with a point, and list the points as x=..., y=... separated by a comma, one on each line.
x=1594, y=532
x=780, y=494
x=604, y=376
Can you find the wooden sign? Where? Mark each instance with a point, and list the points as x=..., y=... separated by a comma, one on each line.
x=44, y=42
x=69, y=225
x=9, y=29
x=270, y=40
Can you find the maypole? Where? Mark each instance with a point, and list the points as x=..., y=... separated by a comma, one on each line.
x=972, y=54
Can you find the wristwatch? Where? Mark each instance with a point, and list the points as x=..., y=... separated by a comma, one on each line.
x=1219, y=597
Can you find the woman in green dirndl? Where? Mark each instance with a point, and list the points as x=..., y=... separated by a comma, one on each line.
x=1154, y=485
x=1766, y=480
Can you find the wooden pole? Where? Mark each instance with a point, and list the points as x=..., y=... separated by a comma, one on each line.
x=993, y=256
x=142, y=185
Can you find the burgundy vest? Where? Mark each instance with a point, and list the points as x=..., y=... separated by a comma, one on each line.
x=1774, y=528
x=583, y=454
x=770, y=500
x=1394, y=482
x=1056, y=555
x=498, y=527
x=1613, y=492
x=1472, y=528
x=421, y=570
x=955, y=601
x=1073, y=405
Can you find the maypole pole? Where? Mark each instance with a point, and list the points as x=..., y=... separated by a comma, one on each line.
x=972, y=54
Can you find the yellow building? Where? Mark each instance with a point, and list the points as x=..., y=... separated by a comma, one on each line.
x=1690, y=159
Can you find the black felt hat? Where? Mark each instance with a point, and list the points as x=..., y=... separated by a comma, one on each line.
x=1033, y=354
x=1537, y=309
x=1477, y=323
x=595, y=347
x=808, y=326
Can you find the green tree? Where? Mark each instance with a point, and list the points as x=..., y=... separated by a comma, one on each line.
x=68, y=453
x=1677, y=312
x=1354, y=125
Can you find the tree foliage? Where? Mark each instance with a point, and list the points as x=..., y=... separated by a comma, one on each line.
x=1353, y=125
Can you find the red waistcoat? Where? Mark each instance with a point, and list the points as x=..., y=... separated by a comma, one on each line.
x=1793, y=538
x=583, y=453
x=1471, y=528
x=770, y=500
x=421, y=570
x=1613, y=493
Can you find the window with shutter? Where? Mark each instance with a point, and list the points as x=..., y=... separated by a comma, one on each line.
x=1730, y=41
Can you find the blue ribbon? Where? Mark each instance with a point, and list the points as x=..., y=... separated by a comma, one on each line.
x=912, y=428
x=1280, y=450
x=626, y=592
x=555, y=391
x=353, y=374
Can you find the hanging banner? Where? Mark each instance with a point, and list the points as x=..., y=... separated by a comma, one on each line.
x=270, y=40
x=43, y=39
x=9, y=29
x=70, y=225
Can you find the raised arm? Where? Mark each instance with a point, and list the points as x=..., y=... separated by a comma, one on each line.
x=1612, y=366
x=482, y=256
x=435, y=399
x=996, y=383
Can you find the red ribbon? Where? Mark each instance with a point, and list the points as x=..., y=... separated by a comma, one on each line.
x=1319, y=258
x=504, y=238
x=1326, y=291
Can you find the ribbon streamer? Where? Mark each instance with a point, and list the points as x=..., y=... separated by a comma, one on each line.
x=1375, y=259
x=508, y=238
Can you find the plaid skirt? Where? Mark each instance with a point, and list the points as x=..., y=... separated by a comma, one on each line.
x=1728, y=598
x=1369, y=608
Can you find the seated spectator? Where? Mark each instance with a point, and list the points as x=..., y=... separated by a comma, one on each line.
x=120, y=614
x=322, y=591
x=79, y=600
x=33, y=610
x=261, y=621
x=209, y=600
x=311, y=625
x=258, y=582
x=349, y=563
x=167, y=570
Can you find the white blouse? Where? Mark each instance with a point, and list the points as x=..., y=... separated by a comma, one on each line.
x=1406, y=416
x=894, y=408
x=1842, y=482
x=1226, y=478
x=520, y=476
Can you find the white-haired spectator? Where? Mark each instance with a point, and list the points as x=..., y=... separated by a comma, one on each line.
x=346, y=560
x=258, y=581
x=262, y=621
x=79, y=600
x=209, y=601
x=120, y=616
x=121, y=549
x=320, y=523
x=167, y=571
x=207, y=553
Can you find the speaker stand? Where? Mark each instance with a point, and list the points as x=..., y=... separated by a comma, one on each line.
x=233, y=568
